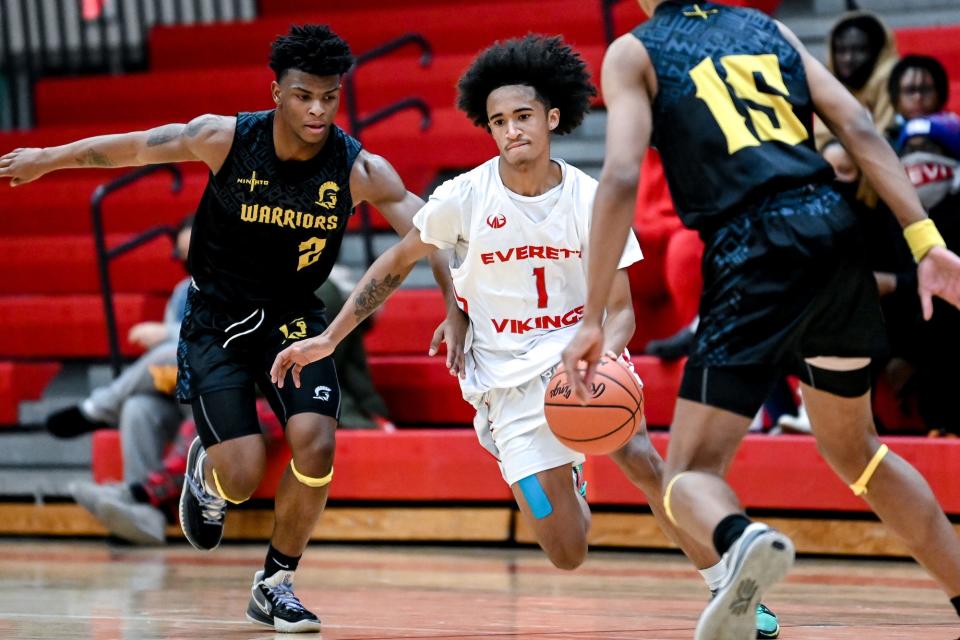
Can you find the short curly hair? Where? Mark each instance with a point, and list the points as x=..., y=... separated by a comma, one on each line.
x=925, y=63
x=548, y=64
x=311, y=48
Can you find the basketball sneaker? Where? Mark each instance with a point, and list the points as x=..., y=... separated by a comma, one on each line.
x=768, y=625
x=759, y=558
x=579, y=483
x=201, y=514
x=273, y=604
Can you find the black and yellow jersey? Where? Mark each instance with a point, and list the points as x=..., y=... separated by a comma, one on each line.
x=268, y=232
x=732, y=118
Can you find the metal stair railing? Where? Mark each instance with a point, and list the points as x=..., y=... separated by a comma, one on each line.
x=105, y=255
x=358, y=123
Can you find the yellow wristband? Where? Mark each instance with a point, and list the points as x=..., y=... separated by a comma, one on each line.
x=921, y=237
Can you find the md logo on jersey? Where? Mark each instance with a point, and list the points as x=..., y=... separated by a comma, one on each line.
x=321, y=393
x=497, y=221
x=327, y=197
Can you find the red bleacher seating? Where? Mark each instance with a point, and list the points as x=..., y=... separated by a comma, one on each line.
x=780, y=473
x=176, y=96
x=69, y=326
x=67, y=265
x=20, y=381
x=470, y=28
x=409, y=465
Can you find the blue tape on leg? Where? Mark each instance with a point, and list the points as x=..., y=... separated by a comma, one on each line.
x=536, y=497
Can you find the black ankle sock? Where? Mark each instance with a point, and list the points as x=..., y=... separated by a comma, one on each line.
x=139, y=493
x=955, y=601
x=277, y=561
x=727, y=532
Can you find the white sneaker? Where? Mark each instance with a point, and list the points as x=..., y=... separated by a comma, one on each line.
x=799, y=423
x=134, y=522
x=759, y=558
x=91, y=495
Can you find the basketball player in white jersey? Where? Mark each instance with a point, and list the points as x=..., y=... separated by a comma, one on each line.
x=518, y=227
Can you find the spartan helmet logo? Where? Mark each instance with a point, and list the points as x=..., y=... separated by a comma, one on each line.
x=327, y=197
x=321, y=393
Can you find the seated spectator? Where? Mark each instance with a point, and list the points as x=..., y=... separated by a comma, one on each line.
x=861, y=54
x=140, y=401
x=925, y=353
x=918, y=87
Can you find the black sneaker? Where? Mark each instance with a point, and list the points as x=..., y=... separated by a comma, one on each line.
x=273, y=604
x=201, y=514
x=71, y=422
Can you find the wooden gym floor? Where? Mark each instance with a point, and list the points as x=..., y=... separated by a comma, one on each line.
x=91, y=590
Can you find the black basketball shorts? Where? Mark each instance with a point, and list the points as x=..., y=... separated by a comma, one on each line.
x=783, y=281
x=223, y=355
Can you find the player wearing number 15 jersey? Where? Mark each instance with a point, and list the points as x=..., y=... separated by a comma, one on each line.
x=282, y=186
x=727, y=95
x=518, y=227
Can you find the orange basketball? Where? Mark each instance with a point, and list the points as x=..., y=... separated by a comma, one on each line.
x=608, y=421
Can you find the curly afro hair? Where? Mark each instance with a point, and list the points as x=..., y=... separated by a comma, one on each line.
x=555, y=71
x=311, y=48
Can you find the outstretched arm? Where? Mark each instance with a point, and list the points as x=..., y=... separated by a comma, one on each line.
x=207, y=138
x=376, y=285
x=626, y=92
x=374, y=180
x=938, y=273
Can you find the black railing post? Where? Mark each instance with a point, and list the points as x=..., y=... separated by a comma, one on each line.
x=358, y=124
x=104, y=255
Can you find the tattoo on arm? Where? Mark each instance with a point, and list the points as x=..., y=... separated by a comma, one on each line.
x=198, y=125
x=94, y=158
x=164, y=134
x=374, y=294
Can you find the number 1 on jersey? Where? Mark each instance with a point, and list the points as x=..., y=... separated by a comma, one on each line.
x=540, y=274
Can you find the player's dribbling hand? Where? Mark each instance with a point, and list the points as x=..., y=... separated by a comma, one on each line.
x=298, y=355
x=452, y=332
x=938, y=274
x=586, y=346
x=22, y=166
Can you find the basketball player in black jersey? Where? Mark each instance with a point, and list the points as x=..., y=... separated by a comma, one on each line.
x=727, y=96
x=282, y=186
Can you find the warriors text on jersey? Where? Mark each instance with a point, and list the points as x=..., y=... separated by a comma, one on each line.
x=521, y=281
x=732, y=118
x=267, y=231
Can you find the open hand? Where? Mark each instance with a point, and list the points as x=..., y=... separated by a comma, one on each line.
x=22, y=166
x=452, y=332
x=586, y=346
x=938, y=274
x=298, y=355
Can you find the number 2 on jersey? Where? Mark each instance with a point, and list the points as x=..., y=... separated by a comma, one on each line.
x=540, y=274
x=310, y=251
x=742, y=72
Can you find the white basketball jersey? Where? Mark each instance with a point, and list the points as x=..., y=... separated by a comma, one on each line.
x=521, y=282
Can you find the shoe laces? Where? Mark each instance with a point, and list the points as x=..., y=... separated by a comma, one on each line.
x=282, y=595
x=212, y=508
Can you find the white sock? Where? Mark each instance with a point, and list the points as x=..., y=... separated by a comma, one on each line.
x=713, y=576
